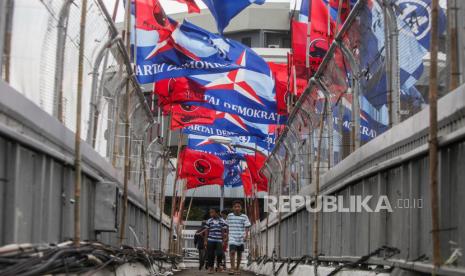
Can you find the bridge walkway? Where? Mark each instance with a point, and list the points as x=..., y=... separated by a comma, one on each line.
x=196, y=272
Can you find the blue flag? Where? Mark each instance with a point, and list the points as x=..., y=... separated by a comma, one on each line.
x=225, y=10
x=186, y=50
x=231, y=159
x=416, y=14
x=229, y=125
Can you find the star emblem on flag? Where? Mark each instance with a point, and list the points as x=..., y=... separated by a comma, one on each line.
x=235, y=80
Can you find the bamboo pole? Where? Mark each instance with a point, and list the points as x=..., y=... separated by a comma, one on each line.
x=317, y=182
x=173, y=198
x=77, y=138
x=190, y=204
x=122, y=235
x=181, y=211
x=146, y=195
x=166, y=157
x=433, y=135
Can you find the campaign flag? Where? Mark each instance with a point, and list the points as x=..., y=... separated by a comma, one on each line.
x=248, y=91
x=228, y=125
x=194, y=182
x=191, y=6
x=299, y=45
x=200, y=164
x=232, y=178
x=183, y=115
x=414, y=24
x=417, y=15
x=226, y=153
x=255, y=163
x=225, y=10
x=321, y=34
x=247, y=182
x=178, y=90
x=373, y=121
x=166, y=49
x=305, y=7
x=281, y=78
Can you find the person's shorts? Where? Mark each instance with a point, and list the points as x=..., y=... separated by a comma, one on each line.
x=236, y=248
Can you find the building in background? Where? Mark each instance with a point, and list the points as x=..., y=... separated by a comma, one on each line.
x=268, y=38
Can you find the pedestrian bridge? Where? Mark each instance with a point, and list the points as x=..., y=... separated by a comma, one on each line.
x=116, y=221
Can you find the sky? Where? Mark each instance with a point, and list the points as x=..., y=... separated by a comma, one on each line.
x=172, y=6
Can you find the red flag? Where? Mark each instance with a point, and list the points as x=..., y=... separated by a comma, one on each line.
x=177, y=90
x=345, y=9
x=151, y=16
x=321, y=36
x=299, y=42
x=200, y=164
x=191, y=6
x=194, y=182
x=280, y=76
x=247, y=182
x=183, y=115
x=255, y=163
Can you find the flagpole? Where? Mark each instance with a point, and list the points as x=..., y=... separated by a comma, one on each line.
x=190, y=204
x=317, y=182
x=166, y=153
x=146, y=197
x=126, y=135
x=175, y=184
x=77, y=138
x=433, y=135
x=307, y=47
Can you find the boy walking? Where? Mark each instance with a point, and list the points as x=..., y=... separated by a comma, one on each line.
x=216, y=232
x=238, y=224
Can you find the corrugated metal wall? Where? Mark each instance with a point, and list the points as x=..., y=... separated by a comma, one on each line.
x=36, y=183
x=400, y=172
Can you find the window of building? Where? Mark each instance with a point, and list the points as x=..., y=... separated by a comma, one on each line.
x=247, y=41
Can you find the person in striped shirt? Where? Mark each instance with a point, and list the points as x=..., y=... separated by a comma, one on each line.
x=238, y=232
x=216, y=232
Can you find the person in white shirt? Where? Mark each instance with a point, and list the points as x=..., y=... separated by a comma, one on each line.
x=238, y=233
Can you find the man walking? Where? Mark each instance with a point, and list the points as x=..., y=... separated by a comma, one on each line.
x=199, y=242
x=216, y=232
x=238, y=225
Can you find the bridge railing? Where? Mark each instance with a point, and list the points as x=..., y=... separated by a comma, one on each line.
x=39, y=42
x=360, y=129
x=39, y=45
x=379, y=59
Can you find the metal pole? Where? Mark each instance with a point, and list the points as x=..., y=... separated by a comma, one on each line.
x=7, y=42
x=126, y=137
x=115, y=10
x=62, y=29
x=77, y=138
x=3, y=14
x=94, y=111
x=392, y=64
x=433, y=135
x=146, y=195
x=222, y=198
x=453, y=44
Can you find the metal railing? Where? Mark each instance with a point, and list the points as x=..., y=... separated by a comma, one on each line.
x=364, y=62
x=39, y=44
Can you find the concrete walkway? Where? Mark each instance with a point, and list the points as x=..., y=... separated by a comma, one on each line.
x=196, y=272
